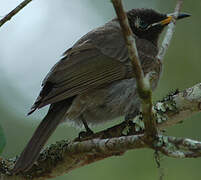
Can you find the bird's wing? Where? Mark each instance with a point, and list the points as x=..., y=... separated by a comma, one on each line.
x=109, y=40
x=85, y=66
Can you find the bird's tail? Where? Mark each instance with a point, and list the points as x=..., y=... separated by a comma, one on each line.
x=31, y=152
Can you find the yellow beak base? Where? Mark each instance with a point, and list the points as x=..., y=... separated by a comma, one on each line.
x=166, y=21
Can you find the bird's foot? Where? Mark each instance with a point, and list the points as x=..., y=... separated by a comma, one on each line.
x=88, y=132
x=128, y=125
x=85, y=134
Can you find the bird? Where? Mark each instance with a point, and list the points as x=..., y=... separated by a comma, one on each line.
x=93, y=82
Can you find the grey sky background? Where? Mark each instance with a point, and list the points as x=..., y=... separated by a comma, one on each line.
x=33, y=41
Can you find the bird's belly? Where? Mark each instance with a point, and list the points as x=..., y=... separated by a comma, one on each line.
x=104, y=104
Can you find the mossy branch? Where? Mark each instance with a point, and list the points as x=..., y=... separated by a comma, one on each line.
x=64, y=156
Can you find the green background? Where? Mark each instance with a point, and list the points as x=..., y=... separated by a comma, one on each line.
x=182, y=69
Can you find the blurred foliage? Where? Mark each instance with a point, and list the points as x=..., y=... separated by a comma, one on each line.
x=2, y=140
x=181, y=70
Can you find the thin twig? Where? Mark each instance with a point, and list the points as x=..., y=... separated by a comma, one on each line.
x=170, y=31
x=130, y=42
x=169, y=34
x=144, y=90
x=14, y=12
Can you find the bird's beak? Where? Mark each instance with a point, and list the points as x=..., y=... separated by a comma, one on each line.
x=169, y=18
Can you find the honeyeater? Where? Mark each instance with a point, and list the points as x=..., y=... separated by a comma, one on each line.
x=94, y=82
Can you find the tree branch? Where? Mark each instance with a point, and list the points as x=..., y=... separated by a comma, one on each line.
x=65, y=156
x=172, y=110
x=14, y=12
x=143, y=84
x=170, y=31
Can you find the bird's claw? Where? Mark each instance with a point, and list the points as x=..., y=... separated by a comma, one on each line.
x=85, y=134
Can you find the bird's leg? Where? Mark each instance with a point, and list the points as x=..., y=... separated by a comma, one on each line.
x=88, y=131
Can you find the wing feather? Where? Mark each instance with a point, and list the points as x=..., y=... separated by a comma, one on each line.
x=97, y=59
x=89, y=73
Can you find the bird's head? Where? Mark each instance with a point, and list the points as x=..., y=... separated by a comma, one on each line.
x=148, y=24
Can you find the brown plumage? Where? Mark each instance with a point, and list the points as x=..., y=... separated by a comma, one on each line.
x=94, y=82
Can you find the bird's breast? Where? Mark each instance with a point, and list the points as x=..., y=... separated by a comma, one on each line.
x=106, y=103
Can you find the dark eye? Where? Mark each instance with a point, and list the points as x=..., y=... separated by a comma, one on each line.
x=143, y=25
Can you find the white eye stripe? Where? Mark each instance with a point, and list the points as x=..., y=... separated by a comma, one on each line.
x=137, y=22
x=140, y=24
x=154, y=24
